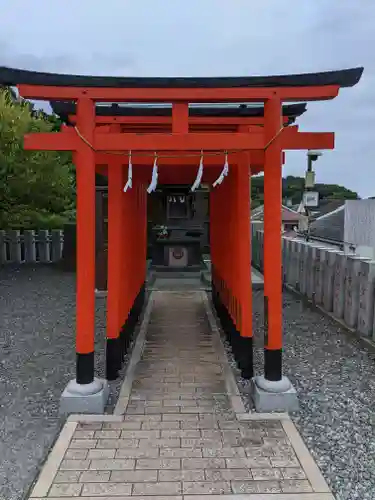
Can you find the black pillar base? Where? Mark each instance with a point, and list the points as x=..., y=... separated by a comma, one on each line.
x=246, y=362
x=234, y=339
x=125, y=338
x=85, y=368
x=226, y=322
x=273, y=364
x=113, y=358
x=237, y=347
x=128, y=328
x=242, y=347
x=122, y=343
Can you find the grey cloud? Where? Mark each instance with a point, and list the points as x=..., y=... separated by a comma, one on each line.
x=216, y=37
x=96, y=63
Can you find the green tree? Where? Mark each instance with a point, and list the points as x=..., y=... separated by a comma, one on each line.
x=293, y=188
x=37, y=188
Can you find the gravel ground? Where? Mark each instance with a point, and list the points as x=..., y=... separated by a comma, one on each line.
x=335, y=380
x=334, y=376
x=37, y=316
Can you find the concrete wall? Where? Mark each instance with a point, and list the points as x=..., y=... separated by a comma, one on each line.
x=343, y=285
x=359, y=225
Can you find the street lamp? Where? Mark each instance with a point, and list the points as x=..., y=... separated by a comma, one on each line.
x=310, y=174
x=310, y=199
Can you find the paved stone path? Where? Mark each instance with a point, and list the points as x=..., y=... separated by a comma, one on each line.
x=179, y=431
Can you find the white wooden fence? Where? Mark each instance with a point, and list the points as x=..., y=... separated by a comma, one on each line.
x=29, y=246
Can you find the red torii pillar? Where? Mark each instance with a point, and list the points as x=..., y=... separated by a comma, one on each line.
x=231, y=261
x=85, y=384
x=118, y=224
x=85, y=168
x=272, y=244
x=134, y=255
x=273, y=391
x=244, y=282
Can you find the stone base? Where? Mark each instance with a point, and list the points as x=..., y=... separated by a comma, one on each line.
x=273, y=396
x=88, y=398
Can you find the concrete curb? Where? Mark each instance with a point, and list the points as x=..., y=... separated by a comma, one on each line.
x=126, y=387
x=313, y=473
x=262, y=416
x=79, y=418
x=249, y=496
x=230, y=382
x=53, y=462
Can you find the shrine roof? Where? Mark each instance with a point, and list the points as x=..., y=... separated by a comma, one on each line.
x=342, y=78
x=66, y=108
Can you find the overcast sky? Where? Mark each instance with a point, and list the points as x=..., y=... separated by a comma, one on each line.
x=216, y=38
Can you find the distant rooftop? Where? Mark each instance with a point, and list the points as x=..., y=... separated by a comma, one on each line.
x=330, y=225
x=287, y=214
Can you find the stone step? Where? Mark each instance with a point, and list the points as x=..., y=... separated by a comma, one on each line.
x=177, y=274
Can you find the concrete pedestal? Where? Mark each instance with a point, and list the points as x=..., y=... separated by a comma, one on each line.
x=271, y=396
x=87, y=398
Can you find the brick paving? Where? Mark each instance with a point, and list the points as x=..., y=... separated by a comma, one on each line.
x=178, y=437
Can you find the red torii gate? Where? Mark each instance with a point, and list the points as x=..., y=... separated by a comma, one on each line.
x=230, y=201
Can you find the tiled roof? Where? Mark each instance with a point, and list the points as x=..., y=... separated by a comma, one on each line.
x=288, y=215
x=326, y=207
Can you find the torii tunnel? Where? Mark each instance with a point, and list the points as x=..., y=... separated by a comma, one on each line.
x=253, y=138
